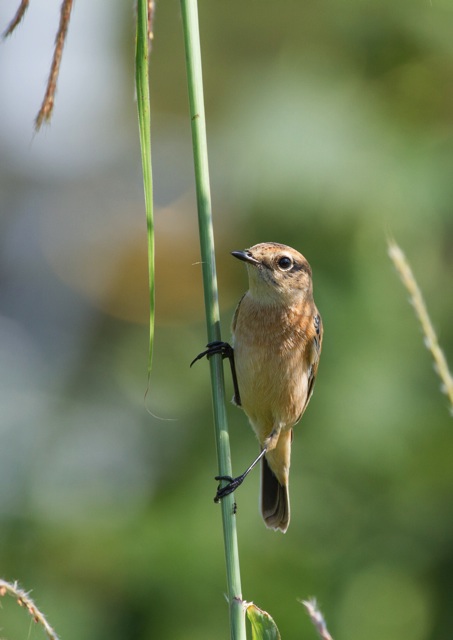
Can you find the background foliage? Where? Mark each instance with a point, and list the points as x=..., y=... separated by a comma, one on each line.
x=330, y=127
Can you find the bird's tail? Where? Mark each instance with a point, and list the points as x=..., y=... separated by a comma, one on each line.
x=274, y=499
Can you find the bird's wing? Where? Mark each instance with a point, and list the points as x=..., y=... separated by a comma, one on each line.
x=236, y=313
x=314, y=355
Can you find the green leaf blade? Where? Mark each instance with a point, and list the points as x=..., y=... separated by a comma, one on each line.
x=144, y=123
x=263, y=625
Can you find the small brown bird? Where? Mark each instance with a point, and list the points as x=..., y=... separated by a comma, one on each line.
x=277, y=338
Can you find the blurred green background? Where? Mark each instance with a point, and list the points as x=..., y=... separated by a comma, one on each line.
x=330, y=128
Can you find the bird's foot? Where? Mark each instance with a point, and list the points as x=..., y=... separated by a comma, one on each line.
x=232, y=485
x=223, y=348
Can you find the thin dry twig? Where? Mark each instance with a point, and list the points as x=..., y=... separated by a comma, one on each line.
x=416, y=298
x=151, y=11
x=46, y=109
x=23, y=600
x=17, y=18
x=317, y=618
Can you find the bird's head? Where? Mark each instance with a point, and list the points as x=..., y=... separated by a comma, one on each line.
x=277, y=273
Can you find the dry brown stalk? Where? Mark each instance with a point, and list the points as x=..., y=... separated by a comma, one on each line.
x=151, y=10
x=17, y=18
x=47, y=105
x=317, y=618
x=23, y=600
x=416, y=298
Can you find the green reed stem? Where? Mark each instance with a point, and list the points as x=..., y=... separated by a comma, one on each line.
x=198, y=122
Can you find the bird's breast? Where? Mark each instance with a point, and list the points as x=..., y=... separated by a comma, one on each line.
x=272, y=354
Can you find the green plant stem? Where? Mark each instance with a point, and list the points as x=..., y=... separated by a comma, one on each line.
x=144, y=122
x=196, y=102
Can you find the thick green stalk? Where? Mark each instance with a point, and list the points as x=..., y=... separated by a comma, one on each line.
x=144, y=123
x=196, y=102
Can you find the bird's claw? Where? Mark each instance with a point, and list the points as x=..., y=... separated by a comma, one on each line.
x=232, y=485
x=213, y=348
x=226, y=351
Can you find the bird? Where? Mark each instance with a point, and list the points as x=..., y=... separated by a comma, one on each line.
x=277, y=336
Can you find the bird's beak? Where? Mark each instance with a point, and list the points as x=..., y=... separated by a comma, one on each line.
x=245, y=256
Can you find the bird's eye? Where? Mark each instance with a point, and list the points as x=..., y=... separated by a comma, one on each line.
x=285, y=263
